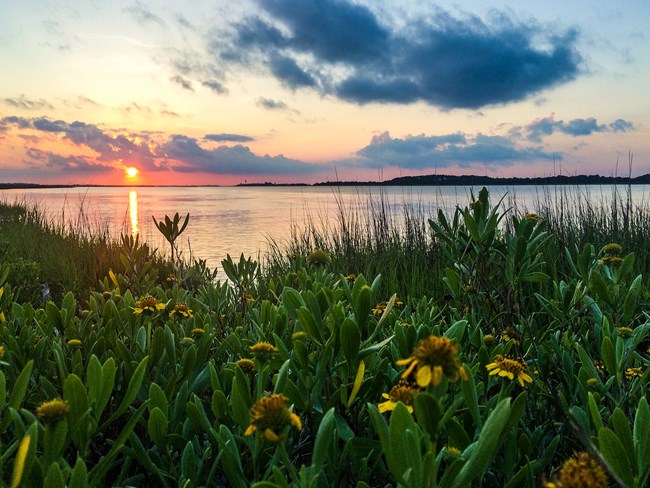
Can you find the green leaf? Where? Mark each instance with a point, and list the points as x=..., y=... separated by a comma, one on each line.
x=75, y=394
x=98, y=473
x=471, y=398
x=486, y=446
x=188, y=462
x=350, y=337
x=594, y=412
x=157, y=426
x=95, y=379
x=79, y=475
x=157, y=398
x=54, y=477
x=614, y=454
x=292, y=301
x=3, y=389
x=132, y=390
x=456, y=331
x=20, y=386
x=622, y=429
x=400, y=458
x=641, y=436
x=282, y=377
x=54, y=441
x=323, y=440
x=427, y=413
x=608, y=355
x=108, y=380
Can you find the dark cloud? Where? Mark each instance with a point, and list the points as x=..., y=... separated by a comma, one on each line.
x=425, y=152
x=215, y=86
x=22, y=102
x=270, y=104
x=59, y=163
x=576, y=127
x=183, y=82
x=229, y=160
x=286, y=69
x=342, y=49
x=228, y=137
x=109, y=147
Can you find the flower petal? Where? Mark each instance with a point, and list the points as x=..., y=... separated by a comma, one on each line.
x=250, y=430
x=423, y=376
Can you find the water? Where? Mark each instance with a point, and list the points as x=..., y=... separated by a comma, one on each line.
x=236, y=220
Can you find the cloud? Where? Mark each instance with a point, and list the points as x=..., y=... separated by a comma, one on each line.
x=183, y=82
x=342, y=49
x=425, y=152
x=270, y=104
x=238, y=159
x=215, y=86
x=73, y=164
x=228, y=137
x=22, y=102
x=109, y=147
x=143, y=15
x=546, y=126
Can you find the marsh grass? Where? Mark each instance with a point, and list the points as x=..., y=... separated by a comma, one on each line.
x=378, y=236
x=56, y=255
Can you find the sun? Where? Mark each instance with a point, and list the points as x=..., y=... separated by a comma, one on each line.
x=131, y=172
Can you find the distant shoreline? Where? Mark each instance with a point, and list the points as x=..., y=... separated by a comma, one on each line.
x=425, y=180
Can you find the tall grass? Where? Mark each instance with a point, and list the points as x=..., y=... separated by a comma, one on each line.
x=370, y=237
x=48, y=258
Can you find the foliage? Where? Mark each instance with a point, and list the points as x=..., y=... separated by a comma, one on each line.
x=159, y=398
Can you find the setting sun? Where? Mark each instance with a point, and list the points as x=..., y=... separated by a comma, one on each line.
x=131, y=172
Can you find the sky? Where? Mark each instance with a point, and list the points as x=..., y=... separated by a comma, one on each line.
x=221, y=92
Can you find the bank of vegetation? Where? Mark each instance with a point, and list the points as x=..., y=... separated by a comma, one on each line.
x=489, y=347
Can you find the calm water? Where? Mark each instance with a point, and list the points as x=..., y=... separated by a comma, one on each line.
x=235, y=220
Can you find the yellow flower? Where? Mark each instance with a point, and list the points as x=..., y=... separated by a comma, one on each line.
x=612, y=248
x=610, y=260
x=318, y=257
x=2, y=317
x=52, y=410
x=246, y=365
x=271, y=415
x=379, y=309
x=454, y=451
x=401, y=392
x=263, y=350
x=625, y=331
x=187, y=341
x=247, y=297
x=2, y=351
x=511, y=334
x=533, y=216
x=19, y=462
x=74, y=343
x=631, y=373
x=579, y=471
x=509, y=368
x=181, y=309
x=600, y=366
x=488, y=338
x=299, y=336
x=350, y=278
x=434, y=357
x=148, y=304
x=198, y=331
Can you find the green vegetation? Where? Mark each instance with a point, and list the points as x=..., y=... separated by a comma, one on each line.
x=503, y=350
